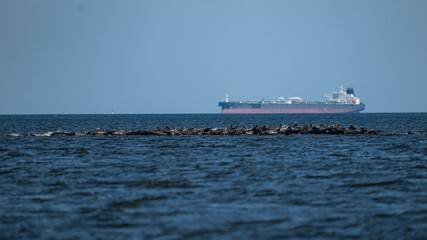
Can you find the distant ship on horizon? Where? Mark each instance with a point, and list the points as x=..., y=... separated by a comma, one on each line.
x=338, y=102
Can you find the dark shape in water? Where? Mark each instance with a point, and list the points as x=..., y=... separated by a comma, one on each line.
x=230, y=130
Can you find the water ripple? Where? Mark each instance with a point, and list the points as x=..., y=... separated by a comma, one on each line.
x=178, y=187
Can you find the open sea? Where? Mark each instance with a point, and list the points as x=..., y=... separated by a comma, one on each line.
x=213, y=187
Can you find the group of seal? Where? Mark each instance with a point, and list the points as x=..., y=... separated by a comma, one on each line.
x=294, y=129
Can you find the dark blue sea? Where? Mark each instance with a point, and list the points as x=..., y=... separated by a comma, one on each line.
x=213, y=187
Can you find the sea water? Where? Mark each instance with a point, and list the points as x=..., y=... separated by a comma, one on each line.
x=213, y=187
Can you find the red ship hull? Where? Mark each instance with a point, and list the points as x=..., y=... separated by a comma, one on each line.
x=258, y=111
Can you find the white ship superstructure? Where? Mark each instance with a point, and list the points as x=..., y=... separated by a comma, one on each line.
x=343, y=97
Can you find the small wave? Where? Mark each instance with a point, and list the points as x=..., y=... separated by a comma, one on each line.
x=7, y=149
x=126, y=203
x=82, y=193
x=373, y=184
x=6, y=171
x=420, y=166
x=86, y=210
x=116, y=225
x=19, y=154
x=260, y=221
x=385, y=215
x=168, y=146
x=157, y=182
x=401, y=133
x=337, y=155
x=133, y=203
x=319, y=176
x=163, y=183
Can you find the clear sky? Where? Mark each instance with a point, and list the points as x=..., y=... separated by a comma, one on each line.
x=184, y=56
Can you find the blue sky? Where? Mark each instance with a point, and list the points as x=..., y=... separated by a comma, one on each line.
x=184, y=56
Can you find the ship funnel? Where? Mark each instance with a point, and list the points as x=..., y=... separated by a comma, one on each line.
x=226, y=97
x=350, y=91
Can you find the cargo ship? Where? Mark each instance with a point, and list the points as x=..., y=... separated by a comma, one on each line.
x=338, y=102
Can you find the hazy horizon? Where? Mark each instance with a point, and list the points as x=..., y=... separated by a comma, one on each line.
x=159, y=57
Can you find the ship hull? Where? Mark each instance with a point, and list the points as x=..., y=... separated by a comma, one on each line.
x=260, y=108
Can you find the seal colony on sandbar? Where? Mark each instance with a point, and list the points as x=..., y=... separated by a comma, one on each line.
x=294, y=129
